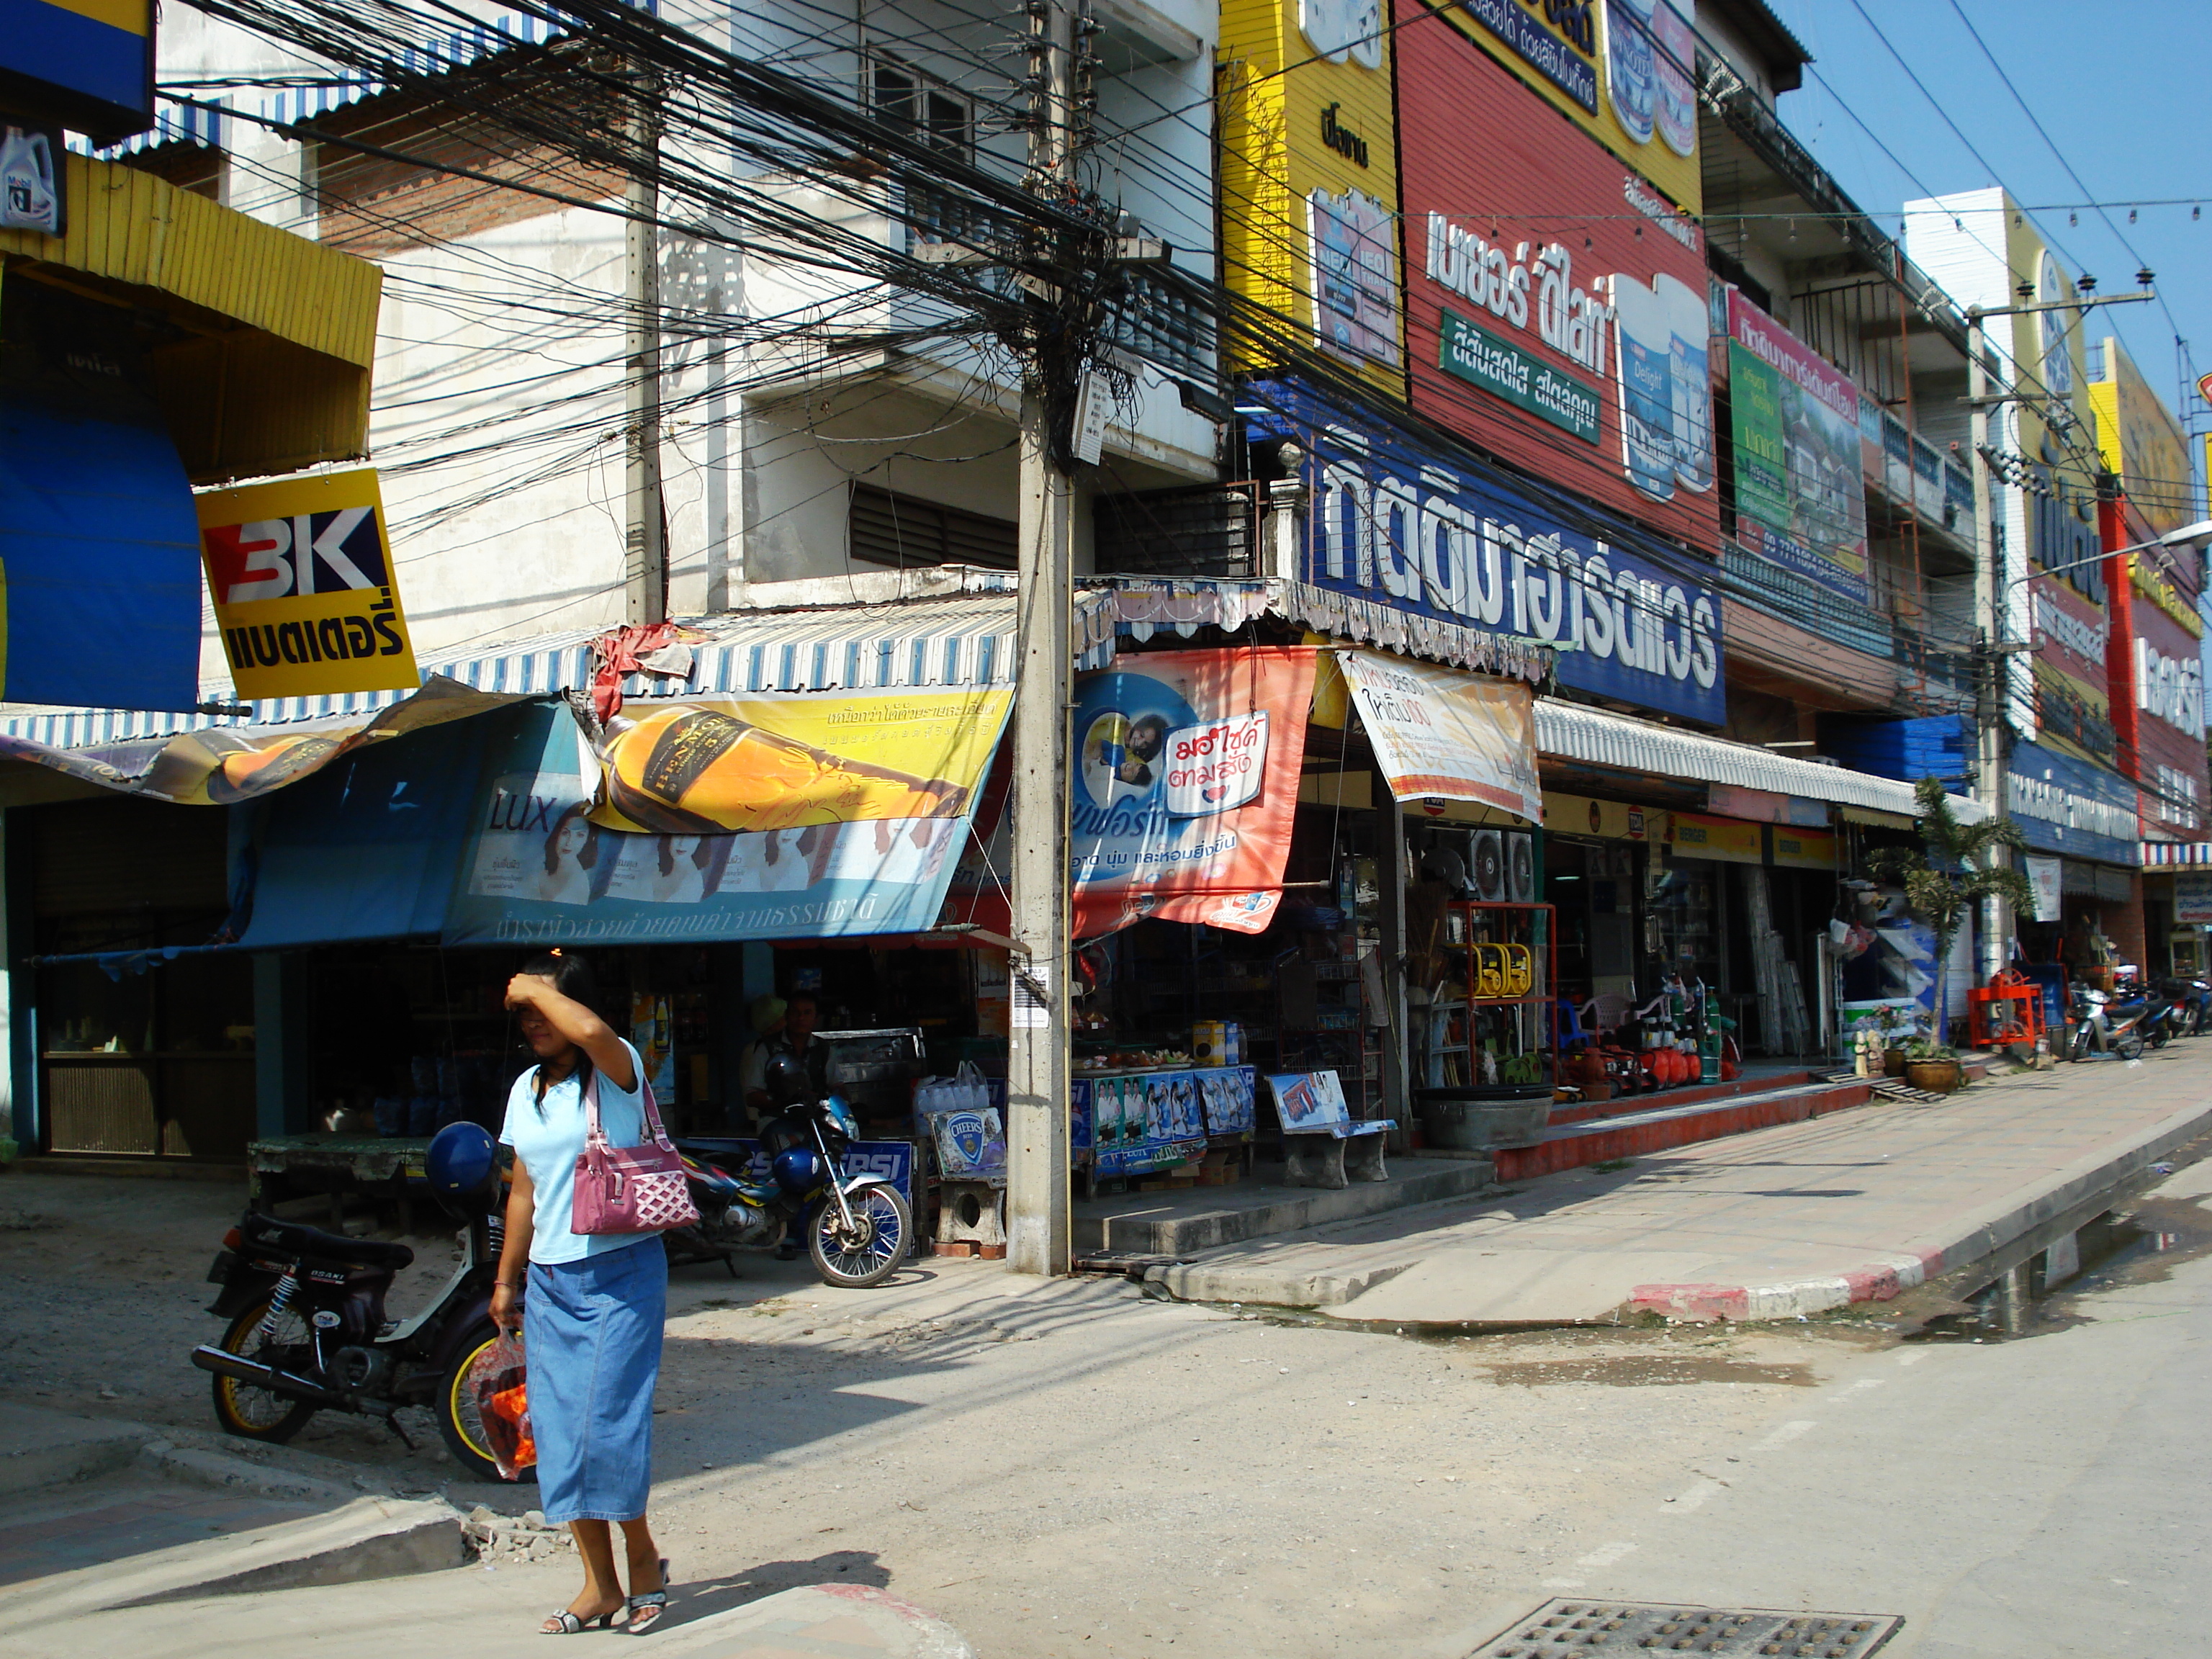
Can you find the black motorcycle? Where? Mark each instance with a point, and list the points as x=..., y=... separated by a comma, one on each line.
x=308, y=1330
x=858, y=1228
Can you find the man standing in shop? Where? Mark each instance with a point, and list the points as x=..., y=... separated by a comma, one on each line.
x=795, y=1037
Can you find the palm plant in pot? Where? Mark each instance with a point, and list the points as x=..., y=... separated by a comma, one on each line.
x=1954, y=870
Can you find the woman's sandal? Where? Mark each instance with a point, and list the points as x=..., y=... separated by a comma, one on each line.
x=645, y=1609
x=565, y=1623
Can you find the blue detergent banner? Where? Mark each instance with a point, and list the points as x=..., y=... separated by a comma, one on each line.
x=539, y=871
x=1419, y=533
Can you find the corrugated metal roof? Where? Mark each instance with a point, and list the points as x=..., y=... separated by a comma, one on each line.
x=963, y=640
x=130, y=227
x=1573, y=732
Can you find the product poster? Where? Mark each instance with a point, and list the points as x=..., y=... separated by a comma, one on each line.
x=301, y=574
x=543, y=867
x=1800, y=468
x=1187, y=781
x=1439, y=734
x=771, y=763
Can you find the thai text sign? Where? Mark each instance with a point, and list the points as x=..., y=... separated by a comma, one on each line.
x=301, y=574
x=1800, y=491
x=1480, y=357
x=1186, y=785
x=1442, y=734
x=1405, y=528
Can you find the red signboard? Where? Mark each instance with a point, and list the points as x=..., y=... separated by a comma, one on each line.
x=1556, y=305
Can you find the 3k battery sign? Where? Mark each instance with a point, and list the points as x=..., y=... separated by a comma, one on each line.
x=302, y=577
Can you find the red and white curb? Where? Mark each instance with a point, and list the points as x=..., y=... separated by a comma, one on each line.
x=1877, y=1282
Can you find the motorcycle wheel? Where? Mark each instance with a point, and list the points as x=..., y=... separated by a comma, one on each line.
x=255, y=1413
x=459, y=1419
x=874, y=1252
x=2131, y=1046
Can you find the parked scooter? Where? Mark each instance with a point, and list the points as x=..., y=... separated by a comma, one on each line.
x=2192, y=1003
x=307, y=1328
x=2105, y=1025
x=858, y=1228
x=2159, y=1026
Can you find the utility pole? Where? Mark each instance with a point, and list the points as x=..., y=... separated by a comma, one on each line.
x=645, y=546
x=1993, y=586
x=1990, y=676
x=1038, y=1064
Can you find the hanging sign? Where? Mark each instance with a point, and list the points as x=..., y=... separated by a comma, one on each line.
x=1186, y=784
x=714, y=846
x=301, y=573
x=2044, y=875
x=1445, y=735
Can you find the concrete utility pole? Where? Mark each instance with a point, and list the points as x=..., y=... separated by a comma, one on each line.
x=1993, y=586
x=1038, y=1068
x=645, y=547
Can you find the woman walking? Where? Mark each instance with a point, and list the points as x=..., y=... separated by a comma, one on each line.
x=592, y=1321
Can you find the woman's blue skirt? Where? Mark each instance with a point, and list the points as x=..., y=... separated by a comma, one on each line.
x=591, y=1333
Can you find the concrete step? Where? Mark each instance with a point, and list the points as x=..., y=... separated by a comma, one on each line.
x=1183, y=1222
x=1689, y=1095
x=237, y=1544
x=1659, y=1128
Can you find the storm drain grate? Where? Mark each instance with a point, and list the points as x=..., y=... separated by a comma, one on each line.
x=1562, y=1627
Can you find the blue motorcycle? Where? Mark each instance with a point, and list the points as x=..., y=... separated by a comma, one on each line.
x=858, y=1228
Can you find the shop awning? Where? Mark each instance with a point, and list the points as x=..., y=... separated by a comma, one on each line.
x=964, y=641
x=1596, y=737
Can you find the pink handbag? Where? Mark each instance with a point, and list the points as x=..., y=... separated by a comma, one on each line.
x=628, y=1190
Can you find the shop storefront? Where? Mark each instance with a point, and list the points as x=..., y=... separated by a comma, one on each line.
x=2084, y=817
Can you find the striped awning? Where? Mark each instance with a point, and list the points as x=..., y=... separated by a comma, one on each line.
x=1623, y=743
x=959, y=641
x=2176, y=854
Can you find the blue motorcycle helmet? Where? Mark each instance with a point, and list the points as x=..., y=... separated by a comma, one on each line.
x=798, y=1170
x=460, y=1159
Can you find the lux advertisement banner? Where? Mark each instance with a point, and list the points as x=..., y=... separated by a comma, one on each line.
x=1400, y=527
x=1186, y=786
x=1800, y=465
x=301, y=574
x=728, y=819
x=1442, y=735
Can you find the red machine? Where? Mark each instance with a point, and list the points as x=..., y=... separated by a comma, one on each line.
x=2007, y=1012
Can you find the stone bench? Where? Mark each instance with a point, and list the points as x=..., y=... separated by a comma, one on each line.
x=1322, y=1144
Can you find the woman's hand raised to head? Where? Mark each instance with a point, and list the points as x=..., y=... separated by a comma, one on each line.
x=536, y=993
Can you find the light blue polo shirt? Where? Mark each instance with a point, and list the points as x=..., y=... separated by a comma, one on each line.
x=549, y=1142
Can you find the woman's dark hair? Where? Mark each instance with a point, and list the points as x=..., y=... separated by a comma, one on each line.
x=1147, y=734
x=572, y=977
x=586, y=856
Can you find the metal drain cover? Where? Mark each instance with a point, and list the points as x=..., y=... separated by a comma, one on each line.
x=1560, y=1627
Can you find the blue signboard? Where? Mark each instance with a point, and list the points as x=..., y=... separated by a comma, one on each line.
x=2067, y=805
x=1452, y=540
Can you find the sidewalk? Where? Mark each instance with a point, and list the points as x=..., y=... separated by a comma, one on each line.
x=1849, y=1207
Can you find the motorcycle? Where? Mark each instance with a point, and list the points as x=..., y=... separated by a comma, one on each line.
x=2160, y=1026
x=2192, y=1003
x=858, y=1228
x=2103, y=1024
x=308, y=1326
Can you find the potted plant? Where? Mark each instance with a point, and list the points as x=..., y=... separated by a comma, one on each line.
x=1893, y=1045
x=1955, y=872
x=1931, y=1065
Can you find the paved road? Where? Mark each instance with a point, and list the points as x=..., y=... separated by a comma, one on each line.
x=2043, y=1498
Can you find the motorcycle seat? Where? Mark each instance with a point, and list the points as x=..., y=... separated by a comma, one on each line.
x=292, y=1238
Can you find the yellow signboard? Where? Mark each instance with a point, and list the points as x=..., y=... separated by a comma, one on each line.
x=1803, y=849
x=1625, y=71
x=2141, y=441
x=1696, y=836
x=301, y=572
x=1309, y=181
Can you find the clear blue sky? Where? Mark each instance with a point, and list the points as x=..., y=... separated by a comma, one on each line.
x=2120, y=86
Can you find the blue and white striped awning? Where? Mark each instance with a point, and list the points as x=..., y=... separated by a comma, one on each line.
x=174, y=124
x=966, y=640
x=462, y=47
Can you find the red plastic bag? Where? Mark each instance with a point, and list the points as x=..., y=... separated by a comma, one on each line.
x=499, y=1383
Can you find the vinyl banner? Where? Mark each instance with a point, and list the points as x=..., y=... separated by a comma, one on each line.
x=1187, y=783
x=301, y=573
x=1440, y=734
x=219, y=766
x=1800, y=467
x=834, y=847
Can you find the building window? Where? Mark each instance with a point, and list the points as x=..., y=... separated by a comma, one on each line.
x=914, y=103
x=905, y=532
